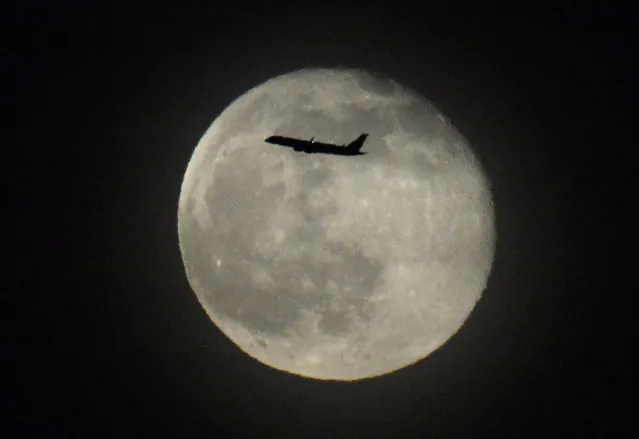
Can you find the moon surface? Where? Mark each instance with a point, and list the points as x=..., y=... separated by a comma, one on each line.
x=327, y=266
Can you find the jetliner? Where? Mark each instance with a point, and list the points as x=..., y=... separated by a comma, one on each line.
x=313, y=147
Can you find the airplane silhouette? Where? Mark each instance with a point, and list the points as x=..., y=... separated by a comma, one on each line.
x=312, y=147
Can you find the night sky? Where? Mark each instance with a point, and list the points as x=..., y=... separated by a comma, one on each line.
x=109, y=340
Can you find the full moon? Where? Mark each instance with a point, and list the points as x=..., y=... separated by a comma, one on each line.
x=327, y=266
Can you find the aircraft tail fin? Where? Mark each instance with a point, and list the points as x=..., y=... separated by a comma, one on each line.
x=357, y=144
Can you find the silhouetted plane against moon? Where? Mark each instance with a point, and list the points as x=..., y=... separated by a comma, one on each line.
x=314, y=267
x=312, y=147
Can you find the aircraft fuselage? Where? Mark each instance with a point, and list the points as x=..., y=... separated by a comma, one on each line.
x=312, y=147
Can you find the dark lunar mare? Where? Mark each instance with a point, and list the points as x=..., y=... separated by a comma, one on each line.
x=239, y=213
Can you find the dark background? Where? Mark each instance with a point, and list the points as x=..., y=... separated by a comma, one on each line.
x=107, y=337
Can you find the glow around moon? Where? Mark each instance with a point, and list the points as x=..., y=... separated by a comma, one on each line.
x=328, y=266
